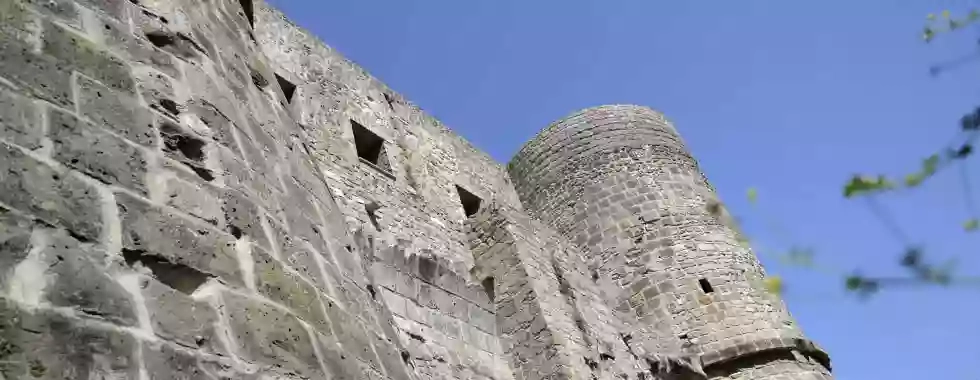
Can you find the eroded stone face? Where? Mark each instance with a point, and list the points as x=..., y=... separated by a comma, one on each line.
x=202, y=190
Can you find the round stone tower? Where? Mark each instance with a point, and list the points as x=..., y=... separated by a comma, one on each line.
x=618, y=182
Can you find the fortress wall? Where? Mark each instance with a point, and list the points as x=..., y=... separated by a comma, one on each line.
x=160, y=215
x=424, y=160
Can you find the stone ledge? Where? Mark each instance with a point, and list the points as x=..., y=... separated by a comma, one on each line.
x=765, y=345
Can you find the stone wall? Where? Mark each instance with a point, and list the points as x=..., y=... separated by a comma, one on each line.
x=619, y=183
x=200, y=189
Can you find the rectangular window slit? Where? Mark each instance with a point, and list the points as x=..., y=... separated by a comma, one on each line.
x=706, y=286
x=368, y=145
x=471, y=202
x=288, y=88
x=488, y=286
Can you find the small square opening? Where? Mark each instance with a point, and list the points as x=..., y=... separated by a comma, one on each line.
x=706, y=286
x=471, y=202
x=369, y=145
x=288, y=88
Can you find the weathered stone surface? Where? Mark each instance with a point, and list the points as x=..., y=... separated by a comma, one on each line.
x=86, y=148
x=266, y=334
x=46, y=345
x=179, y=318
x=292, y=291
x=115, y=111
x=36, y=188
x=19, y=120
x=157, y=231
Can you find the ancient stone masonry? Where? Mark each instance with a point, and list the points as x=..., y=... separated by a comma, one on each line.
x=200, y=189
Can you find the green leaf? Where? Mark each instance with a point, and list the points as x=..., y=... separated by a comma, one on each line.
x=971, y=225
x=914, y=179
x=859, y=185
x=752, y=194
x=928, y=34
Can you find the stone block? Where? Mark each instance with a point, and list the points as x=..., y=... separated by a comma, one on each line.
x=15, y=243
x=45, y=345
x=76, y=275
x=157, y=231
x=352, y=335
x=178, y=318
x=243, y=217
x=61, y=199
x=75, y=52
x=38, y=75
x=305, y=262
x=223, y=130
x=339, y=364
x=63, y=10
x=19, y=120
x=163, y=362
x=266, y=334
x=115, y=111
x=194, y=196
x=288, y=289
x=391, y=358
x=482, y=319
x=120, y=10
x=136, y=50
x=90, y=150
x=395, y=302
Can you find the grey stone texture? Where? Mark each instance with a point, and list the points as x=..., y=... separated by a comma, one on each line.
x=182, y=197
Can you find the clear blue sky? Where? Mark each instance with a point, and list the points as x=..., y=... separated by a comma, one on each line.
x=788, y=96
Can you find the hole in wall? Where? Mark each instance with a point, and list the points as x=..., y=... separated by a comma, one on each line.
x=370, y=289
x=160, y=38
x=706, y=286
x=186, y=148
x=405, y=356
x=258, y=79
x=175, y=140
x=177, y=276
x=488, y=286
x=369, y=146
x=470, y=202
x=427, y=268
x=235, y=231
x=169, y=106
x=288, y=88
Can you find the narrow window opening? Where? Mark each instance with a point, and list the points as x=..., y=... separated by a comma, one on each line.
x=372, y=211
x=706, y=286
x=247, y=9
x=368, y=145
x=288, y=88
x=488, y=286
x=390, y=101
x=471, y=203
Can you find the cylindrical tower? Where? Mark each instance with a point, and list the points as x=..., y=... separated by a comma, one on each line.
x=617, y=181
